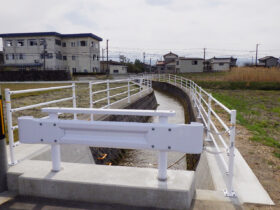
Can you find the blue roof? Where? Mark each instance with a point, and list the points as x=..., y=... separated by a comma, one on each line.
x=51, y=34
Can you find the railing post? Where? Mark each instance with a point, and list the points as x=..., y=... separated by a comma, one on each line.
x=3, y=152
x=230, y=192
x=169, y=78
x=199, y=104
x=181, y=82
x=74, y=98
x=141, y=87
x=108, y=94
x=162, y=157
x=90, y=99
x=10, y=125
x=128, y=91
x=209, y=118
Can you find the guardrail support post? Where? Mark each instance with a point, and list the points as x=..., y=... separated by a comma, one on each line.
x=55, y=149
x=209, y=117
x=10, y=125
x=74, y=98
x=128, y=91
x=229, y=192
x=162, y=158
x=3, y=152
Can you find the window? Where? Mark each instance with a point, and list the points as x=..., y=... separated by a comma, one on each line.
x=20, y=43
x=83, y=43
x=221, y=64
x=20, y=56
x=177, y=62
x=9, y=43
x=74, y=70
x=58, y=56
x=85, y=70
x=63, y=44
x=116, y=71
x=65, y=58
x=97, y=58
x=7, y=56
x=42, y=41
x=13, y=56
x=32, y=42
x=73, y=44
x=48, y=56
x=73, y=57
x=58, y=42
x=194, y=62
x=92, y=44
x=93, y=57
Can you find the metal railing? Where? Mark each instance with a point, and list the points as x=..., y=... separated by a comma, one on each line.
x=126, y=88
x=160, y=136
x=132, y=87
x=218, y=131
x=10, y=110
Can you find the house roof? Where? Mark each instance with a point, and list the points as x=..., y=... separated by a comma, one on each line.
x=267, y=57
x=184, y=58
x=170, y=53
x=50, y=34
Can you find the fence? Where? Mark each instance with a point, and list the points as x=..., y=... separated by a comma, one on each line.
x=221, y=133
x=160, y=136
x=126, y=89
x=132, y=87
x=10, y=110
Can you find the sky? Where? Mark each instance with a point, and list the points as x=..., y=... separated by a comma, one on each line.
x=185, y=27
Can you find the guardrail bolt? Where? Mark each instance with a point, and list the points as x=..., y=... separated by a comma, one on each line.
x=153, y=129
x=42, y=140
x=54, y=124
x=153, y=146
x=55, y=140
x=169, y=147
x=41, y=124
x=169, y=129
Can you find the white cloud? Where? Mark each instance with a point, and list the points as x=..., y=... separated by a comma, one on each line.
x=154, y=24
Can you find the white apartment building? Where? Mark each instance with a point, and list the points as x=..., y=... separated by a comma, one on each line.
x=52, y=51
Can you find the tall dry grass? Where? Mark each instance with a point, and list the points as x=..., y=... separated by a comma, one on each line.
x=253, y=74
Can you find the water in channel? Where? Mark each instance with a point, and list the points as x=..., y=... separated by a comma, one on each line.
x=149, y=158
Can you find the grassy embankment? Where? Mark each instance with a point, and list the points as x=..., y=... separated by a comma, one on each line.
x=255, y=94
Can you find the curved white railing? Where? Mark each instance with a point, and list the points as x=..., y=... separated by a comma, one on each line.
x=218, y=131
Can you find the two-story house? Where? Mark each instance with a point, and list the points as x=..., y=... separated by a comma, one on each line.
x=52, y=51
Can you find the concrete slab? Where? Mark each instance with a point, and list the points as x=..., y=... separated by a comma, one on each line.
x=245, y=184
x=105, y=184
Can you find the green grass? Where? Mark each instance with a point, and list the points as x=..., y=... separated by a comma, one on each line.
x=258, y=111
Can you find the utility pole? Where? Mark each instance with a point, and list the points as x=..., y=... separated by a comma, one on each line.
x=257, y=48
x=3, y=153
x=204, y=53
x=107, y=49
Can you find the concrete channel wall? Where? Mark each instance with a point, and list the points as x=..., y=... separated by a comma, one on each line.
x=194, y=162
x=110, y=155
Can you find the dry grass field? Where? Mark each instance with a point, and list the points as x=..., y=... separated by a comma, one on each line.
x=239, y=74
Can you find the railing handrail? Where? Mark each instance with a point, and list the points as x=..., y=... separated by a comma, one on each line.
x=13, y=92
x=133, y=112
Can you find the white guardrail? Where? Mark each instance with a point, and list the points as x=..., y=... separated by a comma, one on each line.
x=160, y=136
x=140, y=85
x=218, y=131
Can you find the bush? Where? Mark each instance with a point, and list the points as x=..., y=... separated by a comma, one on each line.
x=35, y=75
